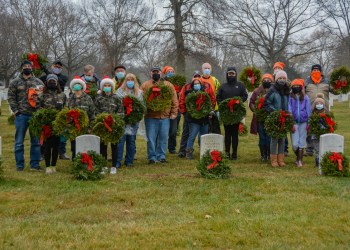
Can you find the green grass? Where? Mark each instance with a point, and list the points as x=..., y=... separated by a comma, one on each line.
x=171, y=207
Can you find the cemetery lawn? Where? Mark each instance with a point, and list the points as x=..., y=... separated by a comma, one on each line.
x=171, y=207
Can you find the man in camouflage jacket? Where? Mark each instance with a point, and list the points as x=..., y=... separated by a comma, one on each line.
x=22, y=98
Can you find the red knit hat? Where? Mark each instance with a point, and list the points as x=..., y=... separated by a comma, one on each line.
x=298, y=82
x=269, y=76
x=167, y=68
x=279, y=64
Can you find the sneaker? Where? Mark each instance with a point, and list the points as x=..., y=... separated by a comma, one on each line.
x=104, y=170
x=38, y=169
x=151, y=162
x=113, y=170
x=163, y=161
x=181, y=154
x=48, y=170
x=64, y=157
x=53, y=169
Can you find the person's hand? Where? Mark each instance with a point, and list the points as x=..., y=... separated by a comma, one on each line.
x=172, y=117
x=293, y=129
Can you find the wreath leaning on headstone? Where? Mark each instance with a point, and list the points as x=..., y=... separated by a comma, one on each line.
x=232, y=111
x=110, y=128
x=88, y=166
x=335, y=164
x=198, y=104
x=278, y=124
x=214, y=165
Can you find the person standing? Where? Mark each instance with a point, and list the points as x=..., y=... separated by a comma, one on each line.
x=119, y=76
x=277, y=99
x=157, y=122
x=91, y=80
x=22, y=98
x=52, y=98
x=232, y=88
x=299, y=106
x=258, y=127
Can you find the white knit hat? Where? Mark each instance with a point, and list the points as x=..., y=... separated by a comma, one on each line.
x=79, y=80
x=107, y=80
x=281, y=73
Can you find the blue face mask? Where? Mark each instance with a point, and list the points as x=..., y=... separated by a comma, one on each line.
x=77, y=87
x=130, y=84
x=196, y=87
x=88, y=78
x=120, y=75
x=56, y=71
x=170, y=74
x=206, y=72
x=107, y=89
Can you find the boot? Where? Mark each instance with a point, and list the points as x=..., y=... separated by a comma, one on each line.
x=296, y=152
x=227, y=154
x=300, y=154
x=189, y=153
x=267, y=152
x=274, y=161
x=280, y=160
x=263, y=153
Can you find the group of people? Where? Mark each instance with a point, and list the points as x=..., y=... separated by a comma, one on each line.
x=27, y=94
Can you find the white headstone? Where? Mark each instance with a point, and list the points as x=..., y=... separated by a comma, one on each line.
x=330, y=143
x=211, y=142
x=86, y=143
x=331, y=97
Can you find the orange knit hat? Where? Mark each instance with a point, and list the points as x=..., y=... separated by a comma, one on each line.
x=279, y=64
x=298, y=82
x=269, y=76
x=167, y=68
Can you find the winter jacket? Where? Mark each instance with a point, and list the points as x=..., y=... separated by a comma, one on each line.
x=110, y=104
x=275, y=101
x=258, y=93
x=51, y=99
x=312, y=89
x=214, y=84
x=230, y=90
x=301, y=110
x=83, y=102
x=18, y=94
x=166, y=114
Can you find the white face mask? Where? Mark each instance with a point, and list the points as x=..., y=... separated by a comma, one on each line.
x=319, y=106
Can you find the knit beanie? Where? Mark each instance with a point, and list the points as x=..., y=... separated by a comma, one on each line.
x=319, y=99
x=78, y=79
x=105, y=80
x=280, y=74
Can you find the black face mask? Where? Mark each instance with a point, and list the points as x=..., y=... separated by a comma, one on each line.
x=266, y=84
x=232, y=79
x=296, y=90
x=156, y=77
x=281, y=82
x=27, y=71
x=51, y=85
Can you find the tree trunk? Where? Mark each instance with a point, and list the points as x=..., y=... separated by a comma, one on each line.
x=179, y=39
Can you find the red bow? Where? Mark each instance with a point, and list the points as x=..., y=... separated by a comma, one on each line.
x=215, y=156
x=231, y=104
x=340, y=84
x=177, y=88
x=74, y=115
x=241, y=128
x=34, y=59
x=87, y=90
x=45, y=133
x=329, y=122
x=250, y=75
x=282, y=118
x=155, y=93
x=128, y=105
x=86, y=159
x=337, y=158
x=261, y=103
x=200, y=99
x=108, y=121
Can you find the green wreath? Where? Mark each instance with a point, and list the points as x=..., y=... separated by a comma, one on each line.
x=88, y=166
x=250, y=77
x=242, y=129
x=91, y=89
x=278, y=124
x=330, y=164
x=71, y=123
x=133, y=109
x=110, y=128
x=198, y=104
x=38, y=62
x=322, y=124
x=178, y=81
x=214, y=165
x=232, y=111
x=259, y=110
x=42, y=121
x=159, y=97
x=340, y=80
x=11, y=119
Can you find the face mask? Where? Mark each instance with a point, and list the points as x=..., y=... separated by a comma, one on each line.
x=197, y=87
x=156, y=77
x=77, y=87
x=319, y=106
x=120, y=75
x=27, y=71
x=107, y=89
x=130, y=84
x=56, y=71
x=266, y=84
x=296, y=90
x=88, y=78
x=206, y=72
x=316, y=77
x=170, y=74
x=51, y=85
x=281, y=82
x=231, y=79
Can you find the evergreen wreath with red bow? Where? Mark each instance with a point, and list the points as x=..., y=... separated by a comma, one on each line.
x=214, y=165
x=259, y=110
x=242, y=129
x=159, y=97
x=110, y=128
x=178, y=81
x=41, y=123
x=278, y=124
x=133, y=109
x=322, y=123
x=38, y=62
x=250, y=77
x=88, y=166
x=340, y=80
x=335, y=164
x=232, y=111
x=198, y=104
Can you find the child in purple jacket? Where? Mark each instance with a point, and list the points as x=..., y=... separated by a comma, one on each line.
x=300, y=107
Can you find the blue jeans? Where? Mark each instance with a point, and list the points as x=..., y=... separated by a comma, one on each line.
x=174, y=124
x=264, y=139
x=21, y=124
x=157, y=131
x=194, y=129
x=129, y=139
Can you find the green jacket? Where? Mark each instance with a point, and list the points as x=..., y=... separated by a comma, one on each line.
x=84, y=102
x=52, y=100
x=18, y=94
x=110, y=104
